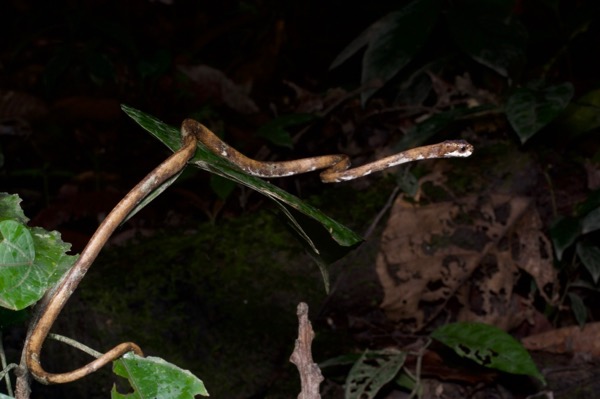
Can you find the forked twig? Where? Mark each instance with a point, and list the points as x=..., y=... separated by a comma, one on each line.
x=50, y=308
x=310, y=374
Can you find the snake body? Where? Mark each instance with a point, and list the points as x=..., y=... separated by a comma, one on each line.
x=337, y=167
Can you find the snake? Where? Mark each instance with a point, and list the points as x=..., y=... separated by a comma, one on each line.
x=336, y=167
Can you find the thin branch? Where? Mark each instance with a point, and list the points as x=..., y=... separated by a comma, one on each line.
x=5, y=367
x=75, y=344
x=310, y=374
x=40, y=328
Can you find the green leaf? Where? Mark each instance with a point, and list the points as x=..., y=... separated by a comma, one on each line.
x=488, y=346
x=578, y=308
x=591, y=221
x=392, y=42
x=153, y=377
x=343, y=360
x=221, y=186
x=150, y=197
x=583, y=114
x=31, y=259
x=206, y=160
x=529, y=110
x=276, y=130
x=10, y=208
x=590, y=257
x=492, y=39
x=564, y=232
x=17, y=255
x=372, y=371
x=407, y=382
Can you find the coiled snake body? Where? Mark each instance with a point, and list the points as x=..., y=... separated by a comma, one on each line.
x=336, y=166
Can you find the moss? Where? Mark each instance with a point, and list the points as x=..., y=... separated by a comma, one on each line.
x=220, y=301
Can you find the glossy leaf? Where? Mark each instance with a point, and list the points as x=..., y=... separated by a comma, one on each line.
x=591, y=221
x=488, y=346
x=31, y=259
x=150, y=197
x=408, y=382
x=10, y=208
x=529, y=110
x=153, y=377
x=372, y=371
x=17, y=255
x=392, y=42
x=221, y=186
x=343, y=360
x=206, y=160
x=583, y=114
x=578, y=308
x=564, y=232
x=590, y=258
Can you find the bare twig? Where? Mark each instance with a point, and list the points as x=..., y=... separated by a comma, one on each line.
x=75, y=344
x=50, y=307
x=310, y=374
x=5, y=367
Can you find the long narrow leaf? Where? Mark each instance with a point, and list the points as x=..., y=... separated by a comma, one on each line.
x=204, y=159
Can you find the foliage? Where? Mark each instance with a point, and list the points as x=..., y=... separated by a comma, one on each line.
x=488, y=346
x=34, y=259
x=31, y=259
x=488, y=33
x=152, y=377
x=577, y=236
x=222, y=285
x=528, y=109
x=372, y=371
x=391, y=42
x=337, y=239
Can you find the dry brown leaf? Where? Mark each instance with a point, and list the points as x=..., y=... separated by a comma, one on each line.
x=470, y=250
x=569, y=340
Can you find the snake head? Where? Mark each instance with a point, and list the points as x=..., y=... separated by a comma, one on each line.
x=457, y=148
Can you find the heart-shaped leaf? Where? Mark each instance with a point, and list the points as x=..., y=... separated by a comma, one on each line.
x=392, y=42
x=153, y=377
x=528, y=110
x=31, y=259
